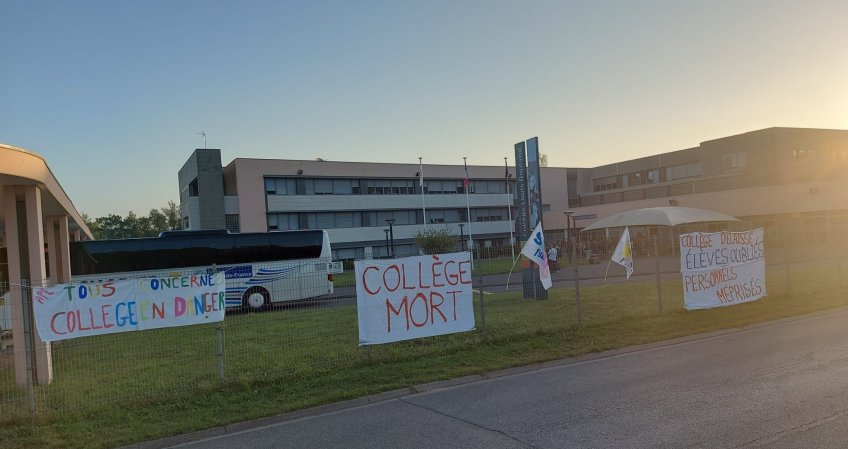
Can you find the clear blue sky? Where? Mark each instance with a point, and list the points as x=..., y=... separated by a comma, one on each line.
x=113, y=92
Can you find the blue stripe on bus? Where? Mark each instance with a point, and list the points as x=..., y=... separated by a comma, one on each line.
x=265, y=271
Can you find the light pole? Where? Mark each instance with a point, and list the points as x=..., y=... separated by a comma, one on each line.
x=462, y=235
x=391, y=221
x=568, y=218
x=387, y=242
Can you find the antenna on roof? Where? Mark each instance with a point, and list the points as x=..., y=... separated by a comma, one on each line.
x=203, y=133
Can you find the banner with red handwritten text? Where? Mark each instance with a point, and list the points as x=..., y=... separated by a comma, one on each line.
x=413, y=297
x=722, y=268
x=80, y=310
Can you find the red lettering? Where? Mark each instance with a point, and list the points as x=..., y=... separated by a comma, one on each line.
x=463, y=272
x=436, y=275
x=406, y=287
x=434, y=307
x=80, y=323
x=451, y=276
x=91, y=317
x=453, y=299
x=421, y=277
x=412, y=310
x=53, y=324
x=111, y=288
x=397, y=273
x=159, y=310
x=72, y=322
x=390, y=309
x=105, y=314
x=365, y=283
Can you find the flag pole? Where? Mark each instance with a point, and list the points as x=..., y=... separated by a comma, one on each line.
x=421, y=184
x=467, y=185
x=509, y=212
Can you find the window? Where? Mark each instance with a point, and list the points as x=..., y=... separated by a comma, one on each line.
x=232, y=222
x=653, y=176
x=734, y=161
x=323, y=186
x=683, y=171
x=270, y=186
x=602, y=184
x=192, y=188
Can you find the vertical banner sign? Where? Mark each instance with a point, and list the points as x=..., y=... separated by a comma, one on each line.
x=534, y=198
x=722, y=268
x=523, y=215
x=521, y=191
x=81, y=310
x=413, y=297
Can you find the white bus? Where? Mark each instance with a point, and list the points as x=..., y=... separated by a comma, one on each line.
x=260, y=268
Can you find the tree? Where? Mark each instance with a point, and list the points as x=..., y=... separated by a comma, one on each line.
x=172, y=214
x=437, y=241
x=114, y=226
x=543, y=160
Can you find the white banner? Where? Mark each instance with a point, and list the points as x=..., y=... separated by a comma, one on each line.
x=722, y=268
x=413, y=297
x=80, y=310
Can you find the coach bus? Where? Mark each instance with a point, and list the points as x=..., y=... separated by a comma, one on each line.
x=260, y=268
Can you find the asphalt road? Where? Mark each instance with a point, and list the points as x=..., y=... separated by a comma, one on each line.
x=777, y=385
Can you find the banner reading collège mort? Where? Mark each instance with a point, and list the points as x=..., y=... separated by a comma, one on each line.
x=80, y=310
x=413, y=297
x=722, y=268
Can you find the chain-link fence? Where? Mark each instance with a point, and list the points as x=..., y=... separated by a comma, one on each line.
x=308, y=334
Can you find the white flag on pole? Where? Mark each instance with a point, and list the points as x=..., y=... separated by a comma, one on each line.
x=623, y=254
x=534, y=249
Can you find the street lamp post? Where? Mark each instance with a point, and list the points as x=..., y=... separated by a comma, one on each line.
x=568, y=218
x=391, y=221
x=462, y=235
x=387, y=242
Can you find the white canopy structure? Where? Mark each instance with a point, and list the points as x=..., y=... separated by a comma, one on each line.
x=659, y=216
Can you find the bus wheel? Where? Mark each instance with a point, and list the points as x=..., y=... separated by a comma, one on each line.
x=255, y=298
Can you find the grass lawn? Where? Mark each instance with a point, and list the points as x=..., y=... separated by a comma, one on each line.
x=124, y=388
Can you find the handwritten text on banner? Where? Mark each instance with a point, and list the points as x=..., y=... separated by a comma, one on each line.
x=413, y=297
x=80, y=310
x=722, y=268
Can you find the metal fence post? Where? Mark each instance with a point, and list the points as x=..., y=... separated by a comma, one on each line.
x=659, y=276
x=219, y=333
x=576, y=259
x=29, y=344
x=219, y=344
x=482, y=302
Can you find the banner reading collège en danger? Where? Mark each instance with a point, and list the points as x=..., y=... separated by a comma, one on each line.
x=413, y=297
x=80, y=310
x=722, y=268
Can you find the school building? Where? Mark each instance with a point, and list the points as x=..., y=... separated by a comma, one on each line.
x=791, y=180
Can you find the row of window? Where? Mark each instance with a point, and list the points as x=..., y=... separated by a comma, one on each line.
x=334, y=220
x=653, y=176
x=331, y=186
x=730, y=162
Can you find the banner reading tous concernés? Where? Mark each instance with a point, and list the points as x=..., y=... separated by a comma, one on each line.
x=413, y=297
x=722, y=268
x=80, y=310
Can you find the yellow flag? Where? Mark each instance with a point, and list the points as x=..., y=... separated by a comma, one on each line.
x=623, y=254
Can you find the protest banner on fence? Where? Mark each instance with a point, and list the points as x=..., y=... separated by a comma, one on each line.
x=413, y=297
x=80, y=310
x=722, y=268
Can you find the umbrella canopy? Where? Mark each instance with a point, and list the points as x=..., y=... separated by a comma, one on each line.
x=662, y=216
